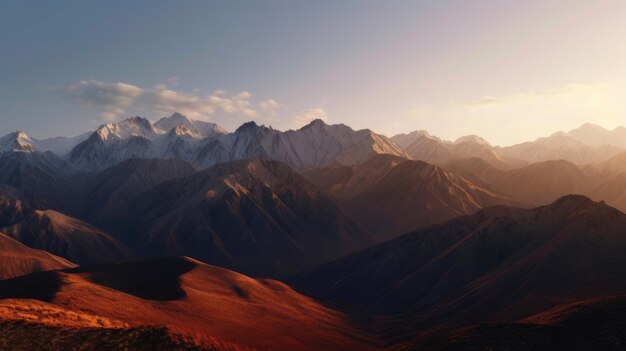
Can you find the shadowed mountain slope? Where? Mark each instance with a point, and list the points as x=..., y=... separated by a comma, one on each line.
x=391, y=195
x=109, y=198
x=596, y=324
x=536, y=184
x=258, y=217
x=501, y=264
x=67, y=237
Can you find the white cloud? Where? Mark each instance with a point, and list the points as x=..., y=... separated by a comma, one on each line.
x=116, y=99
x=309, y=115
x=269, y=105
x=113, y=98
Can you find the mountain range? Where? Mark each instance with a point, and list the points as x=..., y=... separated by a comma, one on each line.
x=315, y=145
x=170, y=235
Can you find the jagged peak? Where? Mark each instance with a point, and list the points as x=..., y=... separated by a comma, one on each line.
x=316, y=123
x=177, y=115
x=250, y=126
x=572, y=201
x=590, y=126
x=137, y=121
x=174, y=118
x=106, y=131
x=182, y=130
x=17, y=141
x=132, y=126
x=20, y=134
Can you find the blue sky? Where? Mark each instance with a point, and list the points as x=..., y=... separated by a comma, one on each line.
x=507, y=70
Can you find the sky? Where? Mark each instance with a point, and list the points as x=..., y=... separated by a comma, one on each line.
x=509, y=71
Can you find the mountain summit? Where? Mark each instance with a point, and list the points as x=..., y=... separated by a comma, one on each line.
x=17, y=142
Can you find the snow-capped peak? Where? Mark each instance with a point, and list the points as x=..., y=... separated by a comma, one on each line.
x=197, y=128
x=171, y=122
x=182, y=130
x=133, y=126
x=17, y=141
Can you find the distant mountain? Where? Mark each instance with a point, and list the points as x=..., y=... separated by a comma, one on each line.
x=17, y=259
x=536, y=184
x=424, y=147
x=588, y=144
x=596, y=136
x=46, y=176
x=258, y=217
x=611, y=167
x=113, y=143
x=544, y=182
x=67, y=237
x=204, y=307
x=501, y=264
x=205, y=144
x=472, y=139
x=19, y=141
x=560, y=146
x=199, y=129
x=60, y=145
x=391, y=196
x=16, y=142
x=420, y=145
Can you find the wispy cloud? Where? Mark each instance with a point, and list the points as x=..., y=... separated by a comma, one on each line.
x=269, y=105
x=116, y=99
x=113, y=98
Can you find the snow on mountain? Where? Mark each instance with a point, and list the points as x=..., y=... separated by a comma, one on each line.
x=133, y=126
x=314, y=145
x=206, y=144
x=17, y=142
x=104, y=149
x=199, y=129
